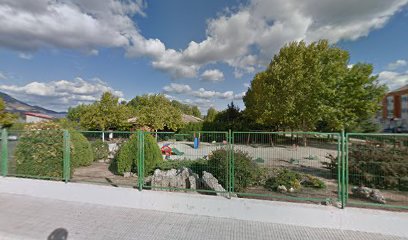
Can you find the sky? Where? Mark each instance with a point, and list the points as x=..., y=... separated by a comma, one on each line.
x=61, y=53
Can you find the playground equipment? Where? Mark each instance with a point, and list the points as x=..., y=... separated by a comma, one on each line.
x=196, y=140
x=168, y=151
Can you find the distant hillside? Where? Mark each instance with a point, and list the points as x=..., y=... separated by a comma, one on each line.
x=17, y=106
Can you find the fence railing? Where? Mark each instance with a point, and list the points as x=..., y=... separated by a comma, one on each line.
x=369, y=170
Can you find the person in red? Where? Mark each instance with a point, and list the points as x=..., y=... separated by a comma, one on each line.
x=166, y=150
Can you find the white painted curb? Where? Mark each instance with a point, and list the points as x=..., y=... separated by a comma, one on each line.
x=366, y=220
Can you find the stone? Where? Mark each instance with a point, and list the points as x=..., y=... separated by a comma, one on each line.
x=113, y=148
x=211, y=183
x=282, y=188
x=369, y=193
x=337, y=204
x=127, y=174
x=291, y=190
x=182, y=178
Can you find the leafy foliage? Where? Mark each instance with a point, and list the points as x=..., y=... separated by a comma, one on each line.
x=39, y=151
x=211, y=115
x=378, y=166
x=100, y=149
x=246, y=170
x=308, y=84
x=6, y=119
x=128, y=155
x=156, y=112
x=292, y=179
x=187, y=109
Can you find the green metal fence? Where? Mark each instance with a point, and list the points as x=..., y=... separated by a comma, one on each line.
x=191, y=161
x=365, y=170
x=291, y=166
x=377, y=170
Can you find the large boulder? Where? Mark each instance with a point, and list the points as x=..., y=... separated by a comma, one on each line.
x=211, y=183
x=368, y=193
x=182, y=178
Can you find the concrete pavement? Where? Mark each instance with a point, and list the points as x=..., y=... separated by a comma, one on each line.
x=26, y=217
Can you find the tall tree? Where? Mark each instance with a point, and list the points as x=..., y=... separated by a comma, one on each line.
x=307, y=84
x=156, y=112
x=6, y=119
x=106, y=114
x=196, y=111
x=211, y=114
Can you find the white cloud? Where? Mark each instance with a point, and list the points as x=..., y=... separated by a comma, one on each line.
x=2, y=76
x=392, y=79
x=397, y=64
x=60, y=94
x=26, y=56
x=213, y=75
x=177, y=88
x=245, y=38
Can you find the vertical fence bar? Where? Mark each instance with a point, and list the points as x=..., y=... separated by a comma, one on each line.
x=343, y=171
x=339, y=156
x=346, y=158
x=66, y=156
x=140, y=161
x=4, y=152
x=232, y=169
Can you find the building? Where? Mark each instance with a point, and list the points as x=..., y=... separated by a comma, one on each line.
x=395, y=110
x=31, y=117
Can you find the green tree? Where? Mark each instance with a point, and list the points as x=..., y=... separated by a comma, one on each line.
x=106, y=114
x=156, y=112
x=196, y=111
x=211, y=114
x=75, y=113
x=6, y=119
x=309, y=84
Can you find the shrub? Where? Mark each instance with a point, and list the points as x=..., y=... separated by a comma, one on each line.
x=127, y=158
x=39, y=151
x=245, y=170
x=378, y=166
x=291, y=179
x=100, y=149
x=197, y=166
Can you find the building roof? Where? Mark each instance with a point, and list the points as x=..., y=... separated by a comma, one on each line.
x=190, y=119
x=403, y=88
x=39, y=115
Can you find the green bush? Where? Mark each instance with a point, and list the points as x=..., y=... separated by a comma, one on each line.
x=245, y=169
x=197, y=166
x=291, y=179
x=39, y=151
x=81, y=150
x=379, y=166
x=127, y=158
x=100, y=149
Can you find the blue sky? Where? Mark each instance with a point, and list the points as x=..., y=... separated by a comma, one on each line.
x=59, y=53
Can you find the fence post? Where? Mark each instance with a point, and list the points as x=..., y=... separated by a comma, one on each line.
x=343, y=171
x=67, y=156
x=140, y=170
x=232, y=168
x=4, y=152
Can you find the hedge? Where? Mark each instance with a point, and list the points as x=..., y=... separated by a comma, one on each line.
x=127, y=158
x=39, y=151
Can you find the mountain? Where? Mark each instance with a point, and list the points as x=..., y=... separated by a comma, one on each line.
x=17, y=106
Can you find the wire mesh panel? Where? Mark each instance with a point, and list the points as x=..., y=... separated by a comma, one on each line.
x=291, y=166
x=36, y=154
x=102, y=167
x=194, y=161
x=377, y=166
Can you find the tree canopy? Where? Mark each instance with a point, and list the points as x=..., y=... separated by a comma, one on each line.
x=156, y=112
x=307, y=84
x=105, y=114
x=6, y=119
x=187, y=109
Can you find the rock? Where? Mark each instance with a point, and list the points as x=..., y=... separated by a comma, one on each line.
x=369, y=193
x=182, y=178
x=211, y=183
x=326, y=202
x=282, y=188
x=337, y=204
x=291, y=190
x=127, y=174
x=113, y=148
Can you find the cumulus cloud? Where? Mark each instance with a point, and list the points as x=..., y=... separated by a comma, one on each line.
x=397, y=64
x=2, y=76
x=177, y=88
x=60, y=94
x=392, y=79
x=213, y=75
x=245, y=38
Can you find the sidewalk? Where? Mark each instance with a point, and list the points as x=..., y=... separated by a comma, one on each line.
x=25, y=217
